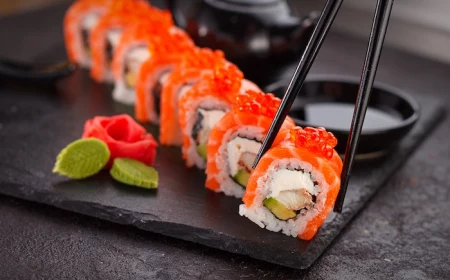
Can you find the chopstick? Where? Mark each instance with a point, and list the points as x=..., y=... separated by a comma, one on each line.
x=315, y=42
x=375, y=45
x=376, y=39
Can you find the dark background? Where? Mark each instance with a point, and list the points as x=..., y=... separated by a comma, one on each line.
x=414, y=23
x=403, y=233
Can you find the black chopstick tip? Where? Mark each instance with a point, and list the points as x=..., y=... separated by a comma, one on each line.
x=255, y=163
x=376, y=40
x=337, y=208
x=304, y=65
x=339, y=203
x=260, y=154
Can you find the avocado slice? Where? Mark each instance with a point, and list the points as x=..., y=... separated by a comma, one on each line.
x=201, y=150
x=130, y=79
x=242, y=178
x=279, y=210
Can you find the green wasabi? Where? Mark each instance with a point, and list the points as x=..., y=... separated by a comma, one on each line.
x=135, y=173
x=82, y=158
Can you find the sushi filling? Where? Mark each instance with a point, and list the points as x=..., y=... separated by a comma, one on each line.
x=185, y=88
x=292, y=192
x=112, y=39
x=87, y=23
x=133, y=60
x=205, y=121
x=157, y=90
x=241, y=155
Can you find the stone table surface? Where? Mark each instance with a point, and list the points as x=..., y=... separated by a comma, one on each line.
x=403, y=233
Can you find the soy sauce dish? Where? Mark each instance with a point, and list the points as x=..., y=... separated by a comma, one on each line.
x=329, y=101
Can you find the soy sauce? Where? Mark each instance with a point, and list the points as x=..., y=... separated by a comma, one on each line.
x=339, y=116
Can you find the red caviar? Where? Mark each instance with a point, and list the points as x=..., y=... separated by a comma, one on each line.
x=258, y=103
x=154, y=21
x=317, y=140
x=225, y=79
x=127, y=7
x=138, y=11
x=173, y=42
x=93, y=2
x=202, y=58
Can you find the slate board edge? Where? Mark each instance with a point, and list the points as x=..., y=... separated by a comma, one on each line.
x=144, y=222
x=148, y=223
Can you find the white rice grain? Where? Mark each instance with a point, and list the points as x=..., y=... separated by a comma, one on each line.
x=227, y=184
x=262, y=216
x=208, y=103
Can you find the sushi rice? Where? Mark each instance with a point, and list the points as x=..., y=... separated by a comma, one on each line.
x=264, y=218
x=294, y=186
x=133, y=49
x=207, y=103
x=227, y=184
x=131, y=58
x=79, y=21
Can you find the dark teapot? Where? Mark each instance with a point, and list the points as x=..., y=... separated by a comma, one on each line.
x=254, y=34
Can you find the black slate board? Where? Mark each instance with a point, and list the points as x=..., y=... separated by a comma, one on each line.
x=35, y=124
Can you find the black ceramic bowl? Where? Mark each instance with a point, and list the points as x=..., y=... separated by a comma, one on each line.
x=252, y=33
x=328, y=101
x=33, y=73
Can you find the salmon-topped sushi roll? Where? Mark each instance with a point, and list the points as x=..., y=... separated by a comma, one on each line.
x=105, y=36
x=236, y=139
x=295, y=184
x=203, y=106
x=133, y=49
x=79, y=20
x=165, y=53
x=193, y=66
x=187, y=73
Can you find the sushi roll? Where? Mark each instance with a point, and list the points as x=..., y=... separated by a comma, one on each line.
x=133, y=49
x=203, y=106
x=236, y=139
x=79, y=20
x=294, y=186
x=106, y=34
x=165, y=54
x=188, y=72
